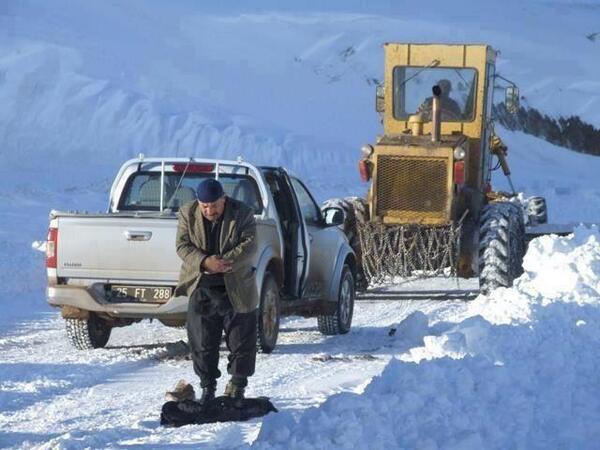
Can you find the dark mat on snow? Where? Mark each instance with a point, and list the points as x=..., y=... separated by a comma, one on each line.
x=221, y=409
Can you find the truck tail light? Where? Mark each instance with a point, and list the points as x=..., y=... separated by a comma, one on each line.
x=459, y=172
x=364, y=170
x=52, y=248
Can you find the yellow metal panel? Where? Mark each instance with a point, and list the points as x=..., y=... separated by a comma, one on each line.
x=447, y=55
x=415, y=217
x=476, y=56
x=403, y=150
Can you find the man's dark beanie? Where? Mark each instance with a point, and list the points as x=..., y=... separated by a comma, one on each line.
x=209, y=190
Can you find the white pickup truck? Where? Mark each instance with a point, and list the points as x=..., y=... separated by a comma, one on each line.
x=116, y=268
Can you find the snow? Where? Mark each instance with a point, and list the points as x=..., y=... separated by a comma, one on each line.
x=519, y=371
x=87, y=85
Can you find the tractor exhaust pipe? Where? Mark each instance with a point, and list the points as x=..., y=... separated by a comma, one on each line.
x=436, y=114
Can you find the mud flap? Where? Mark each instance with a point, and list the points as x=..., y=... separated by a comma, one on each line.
x=221, y=409
x=71, y=312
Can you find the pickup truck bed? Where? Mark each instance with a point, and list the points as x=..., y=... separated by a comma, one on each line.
x=102, y=251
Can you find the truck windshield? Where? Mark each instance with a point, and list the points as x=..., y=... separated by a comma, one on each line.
x=142, y=192
x=412, y=92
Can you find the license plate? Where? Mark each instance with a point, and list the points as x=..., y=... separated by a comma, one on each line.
x=149, y=294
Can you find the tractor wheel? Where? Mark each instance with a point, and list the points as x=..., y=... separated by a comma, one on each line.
x=341, y=321
x=87, y=334
x=537, y=211
x=356, y=211
x=268, y=315
x=501, y=245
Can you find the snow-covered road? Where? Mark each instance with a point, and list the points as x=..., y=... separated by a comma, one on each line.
x=53, y=395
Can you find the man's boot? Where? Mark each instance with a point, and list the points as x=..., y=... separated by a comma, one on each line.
x=235, y=391
x=208, y=394
x=198, y=406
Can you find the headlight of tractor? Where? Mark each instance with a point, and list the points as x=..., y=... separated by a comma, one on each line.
x=459, y=153
x=367, y=150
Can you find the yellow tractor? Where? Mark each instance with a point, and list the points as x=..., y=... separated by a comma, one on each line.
x=430, y=208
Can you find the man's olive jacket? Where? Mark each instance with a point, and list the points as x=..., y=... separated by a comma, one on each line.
x=236, y=243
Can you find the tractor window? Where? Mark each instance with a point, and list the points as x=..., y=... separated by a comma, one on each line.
x=412, y=92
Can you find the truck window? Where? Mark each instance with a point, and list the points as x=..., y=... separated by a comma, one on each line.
x=142, y=191
x=310, y=210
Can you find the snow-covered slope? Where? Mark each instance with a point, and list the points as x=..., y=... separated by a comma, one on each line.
x=85, y=85
x=105, y=81
x=568, y=180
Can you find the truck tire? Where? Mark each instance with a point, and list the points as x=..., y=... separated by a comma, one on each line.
x=341, y=321
x=356, y=211
x=268, y=314
x=537, y=211
x=87, y=334
x=501, y=245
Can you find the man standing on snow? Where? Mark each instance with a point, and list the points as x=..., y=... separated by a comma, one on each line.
x=216, y=241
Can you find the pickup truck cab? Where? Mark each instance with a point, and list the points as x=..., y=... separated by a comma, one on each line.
x=112, y=269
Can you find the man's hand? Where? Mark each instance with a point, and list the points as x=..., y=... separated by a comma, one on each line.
x=216, y=264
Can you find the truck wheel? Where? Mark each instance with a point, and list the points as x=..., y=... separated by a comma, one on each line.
x=87, y=334
x=537, y=211
x=501, y=245
x=268, y=315
x=341, y=321
x=356, y=211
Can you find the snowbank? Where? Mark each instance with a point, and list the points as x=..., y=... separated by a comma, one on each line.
x=520, y=371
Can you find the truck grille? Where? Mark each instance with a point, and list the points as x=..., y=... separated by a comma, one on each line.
x=407, y=186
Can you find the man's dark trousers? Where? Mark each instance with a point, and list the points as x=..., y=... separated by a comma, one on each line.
x=209, y=315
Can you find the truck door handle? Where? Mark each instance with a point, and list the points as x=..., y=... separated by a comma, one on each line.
x=138, y=235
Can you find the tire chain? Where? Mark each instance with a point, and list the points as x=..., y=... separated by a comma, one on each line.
x=356, y=212
x=395, y=251
x=391, y=251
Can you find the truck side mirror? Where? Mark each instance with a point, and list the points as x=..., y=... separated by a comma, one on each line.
x=511, y=99
x=379, y=98
x=333, y=216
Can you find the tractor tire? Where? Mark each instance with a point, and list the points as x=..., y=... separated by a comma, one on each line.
x=356, y=211
x=537, y=211
x=341, y=321
x=501, y=245
x=268, y=315
x=88, y=334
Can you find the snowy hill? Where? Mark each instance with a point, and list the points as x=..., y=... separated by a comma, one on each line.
x=101, y=81
x=86, y=85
